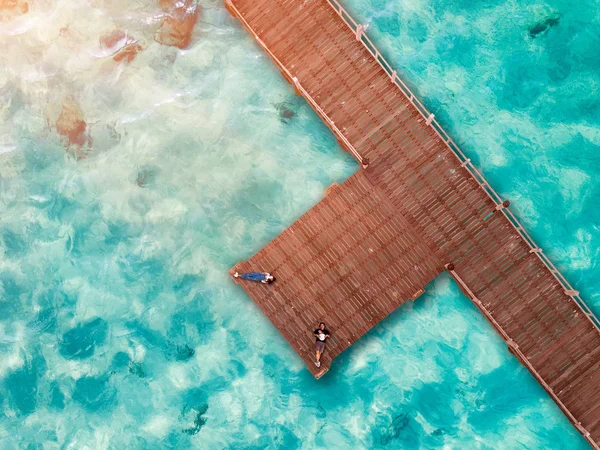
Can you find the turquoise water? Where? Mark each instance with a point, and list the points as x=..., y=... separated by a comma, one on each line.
x=119, y=326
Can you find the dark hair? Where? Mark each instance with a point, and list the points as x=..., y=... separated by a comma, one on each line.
x=271, y=280
x=322, y=323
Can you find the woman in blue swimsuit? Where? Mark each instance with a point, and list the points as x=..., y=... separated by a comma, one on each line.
x=263, y=277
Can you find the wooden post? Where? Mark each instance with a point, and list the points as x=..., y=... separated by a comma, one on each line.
x=331, y=188
x=504, y=204
x=296, y=84
x=359, y=32
x=229, y=7
x=417, y=294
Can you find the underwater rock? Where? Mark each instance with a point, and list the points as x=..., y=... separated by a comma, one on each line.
x=396, y=429
x=145, y=177
x=184, y=352
x=81, y=342
x=70, y=124
x=286, y=113
x=119, y=361
x=128, y=53
x=22, y=385
x=95, y=393
x=137, y=369
x=114, y=41
x=195, y=413
x=119, y=44
x=195, y=403
x=173, y=351
x=178, y=25
x=543, y=26
x=11, y=8
x=14, y=245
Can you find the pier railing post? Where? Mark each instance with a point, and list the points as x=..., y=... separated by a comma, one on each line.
x=430, y=119
x=359, y=32
x=504, y=204
x=296, y=86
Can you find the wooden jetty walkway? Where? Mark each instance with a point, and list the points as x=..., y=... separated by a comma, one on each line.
x=418, y=206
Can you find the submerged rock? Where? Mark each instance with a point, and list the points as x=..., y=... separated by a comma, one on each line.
x=137, y=369
x=400, y=432
x=194, y=414
x=178, y=25
x=195, y=406
x=184, y=352
x=173, y=351
x=114, y=41
x=11, y=8
x=22, y=385
x=286, y=113
x=543, y=26
x=120, y=361
x=95, y=393
x=70, y=124
x=146, y=176
x=128, y=53
x=122, y=46
x=81, y=342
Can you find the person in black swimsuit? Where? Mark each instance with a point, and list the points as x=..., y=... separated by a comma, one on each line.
x=321, y=334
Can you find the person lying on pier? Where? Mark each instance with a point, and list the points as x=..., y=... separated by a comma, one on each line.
x=321, y=334
x=263, y=277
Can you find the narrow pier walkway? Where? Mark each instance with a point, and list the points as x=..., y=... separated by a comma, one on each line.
x=417, y=206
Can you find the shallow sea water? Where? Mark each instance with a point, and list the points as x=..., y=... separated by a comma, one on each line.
x=119, y=326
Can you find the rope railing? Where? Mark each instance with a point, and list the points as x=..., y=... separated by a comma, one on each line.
x=360, y=32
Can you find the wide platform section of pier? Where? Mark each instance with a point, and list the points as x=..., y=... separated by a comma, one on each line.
x=349, y=262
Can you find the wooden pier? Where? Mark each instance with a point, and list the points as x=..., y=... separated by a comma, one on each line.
x=417, y=206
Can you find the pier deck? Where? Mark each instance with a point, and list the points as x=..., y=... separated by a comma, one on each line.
x=349, y=262
x=417, y=201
